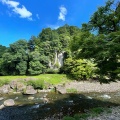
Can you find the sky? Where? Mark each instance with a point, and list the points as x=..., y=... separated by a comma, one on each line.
x=21, y=19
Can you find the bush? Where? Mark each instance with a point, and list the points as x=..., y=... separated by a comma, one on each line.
x=52, y=71
x=80, y=69
x=36, y=83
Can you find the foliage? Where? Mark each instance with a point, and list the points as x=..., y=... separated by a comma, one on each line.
x=52, y=71
x=2, y=50
x=104, y=46
x=37, y=84
x=98, y=40
x=80, y=69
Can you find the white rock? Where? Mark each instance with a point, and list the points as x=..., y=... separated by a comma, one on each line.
x=9, y=102
x=89, y=97
x=106, y=96
x=1, y=106
x=1, y=98
x=30, y=98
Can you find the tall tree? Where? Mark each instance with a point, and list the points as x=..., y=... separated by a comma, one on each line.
x=104, y=47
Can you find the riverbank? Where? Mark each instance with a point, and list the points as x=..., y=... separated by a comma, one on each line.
x=55, y=82
x=86, y=86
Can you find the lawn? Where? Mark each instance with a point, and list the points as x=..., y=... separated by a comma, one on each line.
x=46, y=78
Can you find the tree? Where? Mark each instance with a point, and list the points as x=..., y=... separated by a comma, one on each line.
x=2, y=50
x=15, y=59
x=35, y=66
x=104, y=47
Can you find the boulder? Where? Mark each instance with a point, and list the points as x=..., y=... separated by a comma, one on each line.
x=20, y=87
x=9, y=102
x=1, y=106
x=1, y=98
x=4, y=89
x=30, y=90
x=13, y=84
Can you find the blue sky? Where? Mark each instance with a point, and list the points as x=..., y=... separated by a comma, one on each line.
x=20, y=19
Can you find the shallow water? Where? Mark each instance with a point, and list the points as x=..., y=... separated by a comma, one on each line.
x=56, y=107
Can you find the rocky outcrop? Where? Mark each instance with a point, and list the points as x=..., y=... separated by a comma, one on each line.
x=9, y=102
x=29, y=90
x=57, y=60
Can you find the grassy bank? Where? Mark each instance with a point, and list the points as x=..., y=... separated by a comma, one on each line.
x=37, y=81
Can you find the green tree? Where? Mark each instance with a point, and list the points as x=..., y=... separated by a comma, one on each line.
x=16, y=57
x=105, y=46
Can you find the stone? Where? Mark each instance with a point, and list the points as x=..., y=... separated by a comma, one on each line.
x=30, y=98
x=45, y=100
x=106, y=96
x=1, y=98
x=30, y=90
x=13, y=84
x=29, y=87
x=1, y=106
x=4, y=89
x=9, y=102
x=20, y=87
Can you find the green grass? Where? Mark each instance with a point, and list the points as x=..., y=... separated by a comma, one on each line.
x=37, y=81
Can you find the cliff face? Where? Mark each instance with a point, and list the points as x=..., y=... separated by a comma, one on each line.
x=58, y=61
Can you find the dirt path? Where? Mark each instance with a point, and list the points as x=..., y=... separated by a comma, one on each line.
x=90, y=87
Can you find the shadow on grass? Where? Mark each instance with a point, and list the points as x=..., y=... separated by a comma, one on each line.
x=60, y=106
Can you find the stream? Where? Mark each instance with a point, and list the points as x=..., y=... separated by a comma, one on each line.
x=52, y=106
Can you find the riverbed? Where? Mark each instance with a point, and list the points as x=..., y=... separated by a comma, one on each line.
x=54, y=106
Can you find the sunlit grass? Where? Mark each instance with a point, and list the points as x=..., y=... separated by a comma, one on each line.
x=47, y=78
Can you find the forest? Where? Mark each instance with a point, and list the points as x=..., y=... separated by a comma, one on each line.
x=90, y=52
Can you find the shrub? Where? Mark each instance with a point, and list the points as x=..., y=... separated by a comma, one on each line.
x=52, y=71
x=80, y=69
x=36, y=83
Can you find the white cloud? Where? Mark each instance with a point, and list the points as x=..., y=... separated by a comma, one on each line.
x=63, y=13
x=37, y=16
x=21, y=11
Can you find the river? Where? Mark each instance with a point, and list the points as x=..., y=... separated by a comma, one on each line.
x=52, y=106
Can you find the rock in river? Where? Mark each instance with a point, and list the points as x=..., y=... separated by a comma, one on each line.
x=9, y=102
x=4, y=89
x=1, y=106
x=30, y=98
x=30, y=90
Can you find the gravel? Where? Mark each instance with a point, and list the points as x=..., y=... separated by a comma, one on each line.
x=90, y=87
